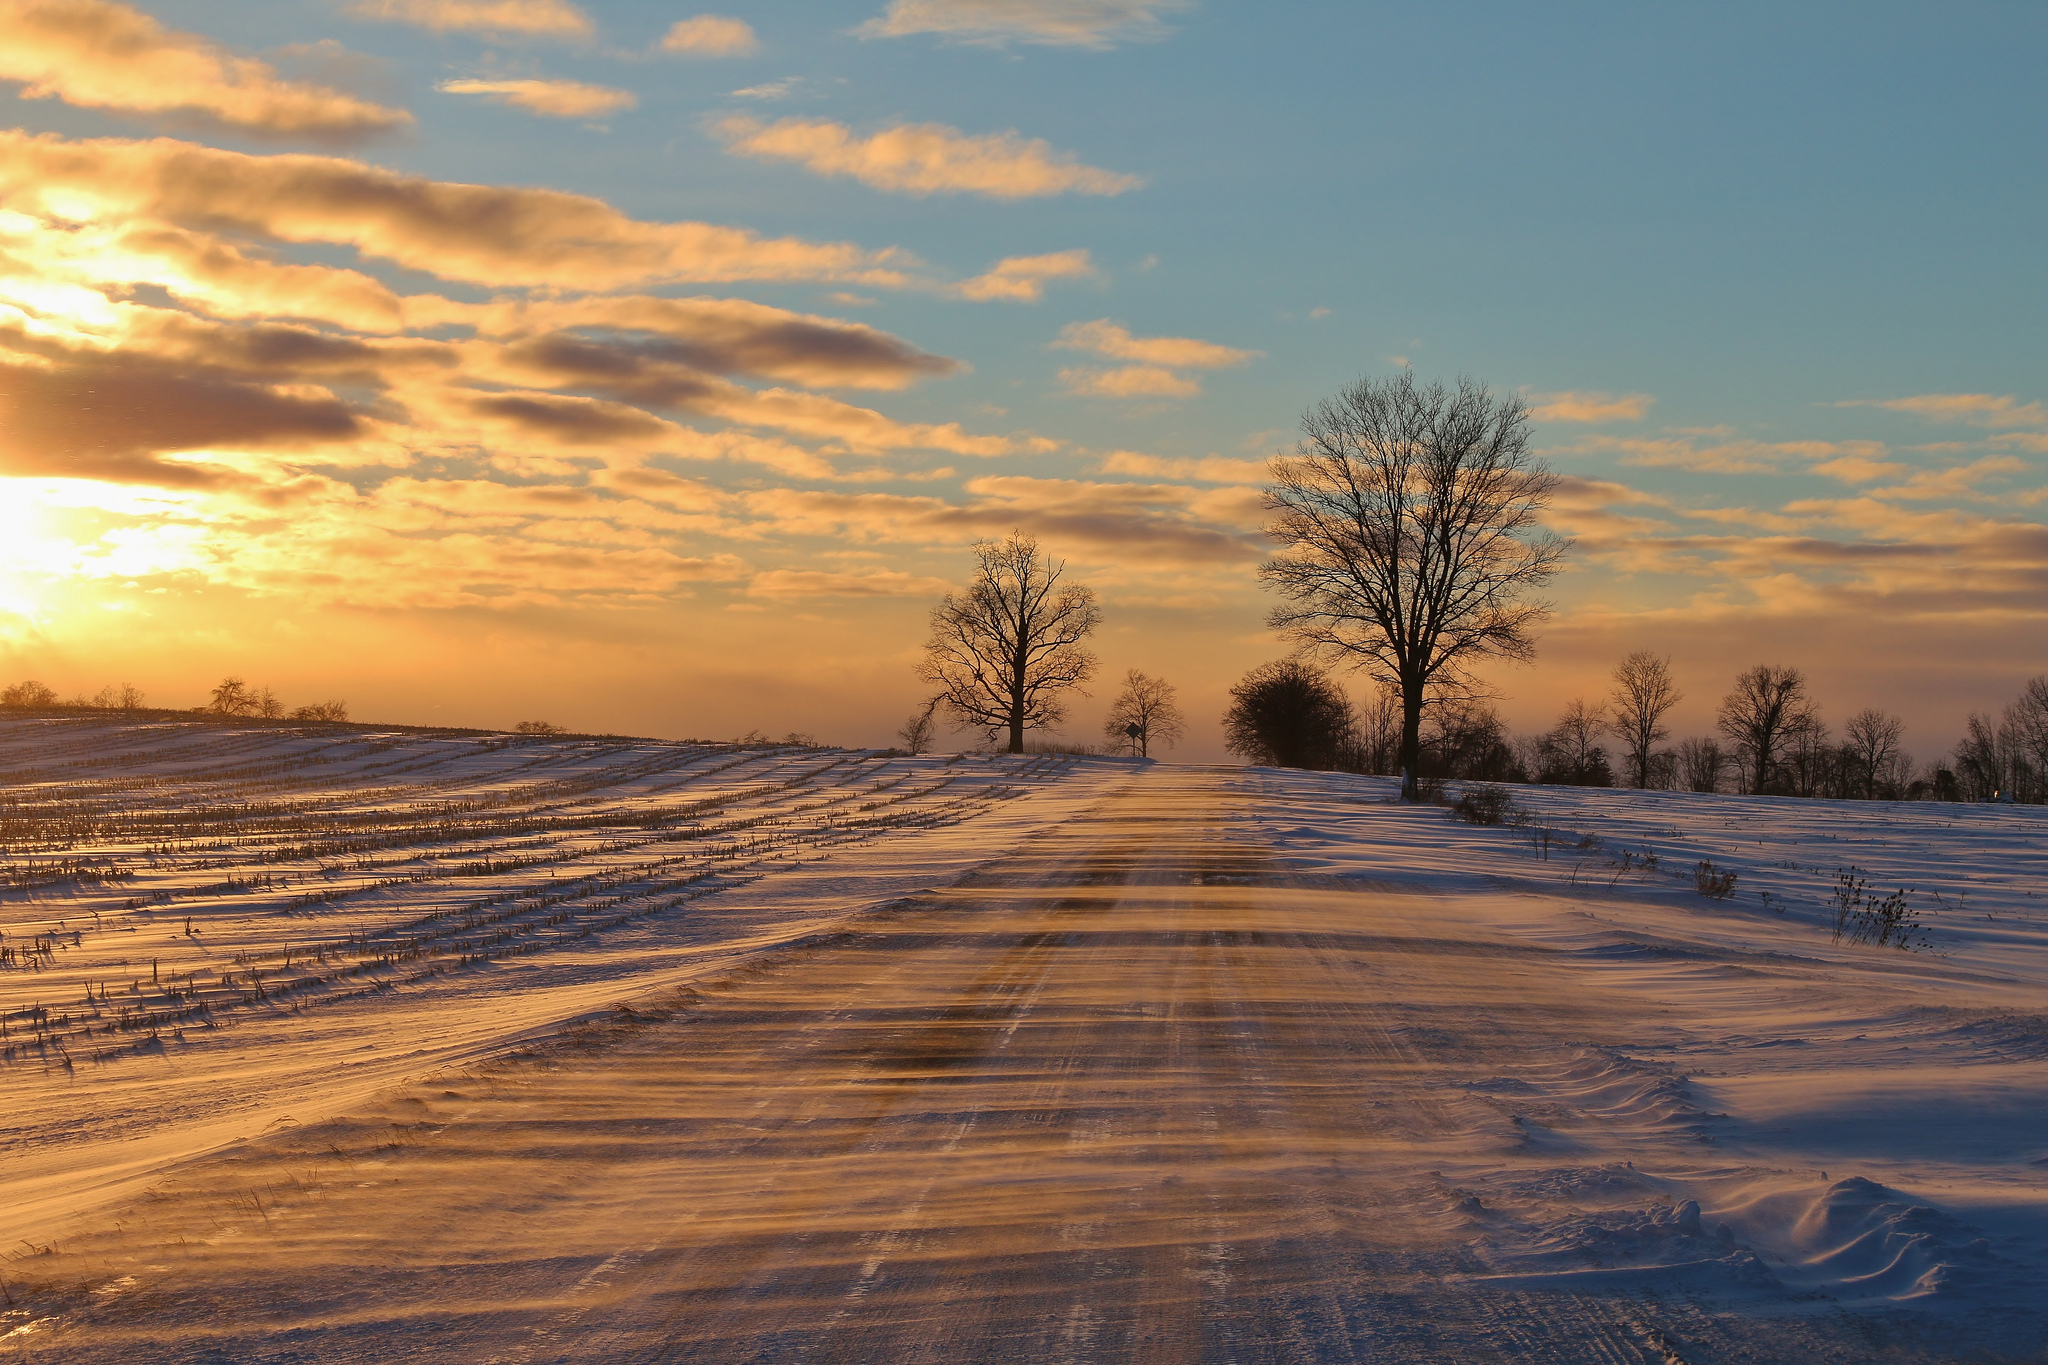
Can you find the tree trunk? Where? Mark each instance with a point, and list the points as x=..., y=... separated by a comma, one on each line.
x=1410, y=755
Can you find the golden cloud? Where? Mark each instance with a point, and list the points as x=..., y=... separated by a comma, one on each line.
x=1021, y=279
x=1094, y=24
x=481, y=233
x=99, y=54
x=710, y=35
x=922, y=158
x=1591, y=407
x=1207, y=469
x=1128, y=381
x=548, y=98
x=1110, y=339
x=500, y=18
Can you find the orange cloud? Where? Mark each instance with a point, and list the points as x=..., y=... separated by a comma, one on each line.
x=710, y=35
x=1591, y=407
x=99, y=54
x=784, y=584
x=1208, y=469
x=725, y=336
x=550, y=98
x=1108, y=338
x=922, y=158
x=506, y=18
x=482, y=233
x=1021, y=279
x=1094, y=24
x=1128, y=381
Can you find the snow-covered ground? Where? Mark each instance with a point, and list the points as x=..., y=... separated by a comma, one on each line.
x=302, y=1024
x=210, y=930
x=1870, y=1122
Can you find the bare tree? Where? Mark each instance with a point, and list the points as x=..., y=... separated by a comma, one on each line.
x=1410, y=515
x=268, y=706
x=1379, y=733
x=231, y=696
x=1701, y=763
x=1643, y=693
x=1871, y=742
x=1005, y=650
x=536, y=727
x=1143, y=714
x=1289, y=714
x=1768, y=707
x=920, y=730
x=30, y=695
x=322, y=710
x=1569, y=755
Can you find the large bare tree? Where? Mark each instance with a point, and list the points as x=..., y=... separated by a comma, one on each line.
x=1006, y=649
x=1410, y=513
x=1144, y=714
x=1643, y=693
x=1768, y=708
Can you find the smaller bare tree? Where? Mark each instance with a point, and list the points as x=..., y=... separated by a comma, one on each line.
x=920, y=730
x=1768, y=708
x=1643, y=693
x=1701, y=762
x=1871, y=742
x=1569, y=754
x=322, y=710
x=1143, y=714
x=1006, y=650
x=231, y=696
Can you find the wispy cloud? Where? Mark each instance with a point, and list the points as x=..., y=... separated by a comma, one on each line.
x=1977, y=409
x=1590, y=407
x=98, y=54
x=496, y=18
x=922, y=158
x=785, y=584
x=1054, y=23
x=711, y=35
x=548, y=98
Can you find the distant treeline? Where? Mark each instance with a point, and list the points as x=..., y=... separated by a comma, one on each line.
x=232, y=696
x=1769, y=739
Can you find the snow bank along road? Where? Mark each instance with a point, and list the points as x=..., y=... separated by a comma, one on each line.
x=1214, y=1065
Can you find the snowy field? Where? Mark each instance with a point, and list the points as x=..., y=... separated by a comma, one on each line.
x=358, y=1045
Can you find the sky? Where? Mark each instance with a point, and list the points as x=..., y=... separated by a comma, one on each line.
x=652, y=370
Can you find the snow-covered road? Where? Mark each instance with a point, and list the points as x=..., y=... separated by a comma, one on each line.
x=1222, y=1065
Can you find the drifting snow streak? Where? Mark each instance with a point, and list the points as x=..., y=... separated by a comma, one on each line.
x=519, y=845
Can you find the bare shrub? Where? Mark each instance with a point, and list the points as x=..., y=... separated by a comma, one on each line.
x=920, y=730
x=322, y=710
x=1881, y=922
x=1486, y=803
x=1709, y=880
x=538, y=727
